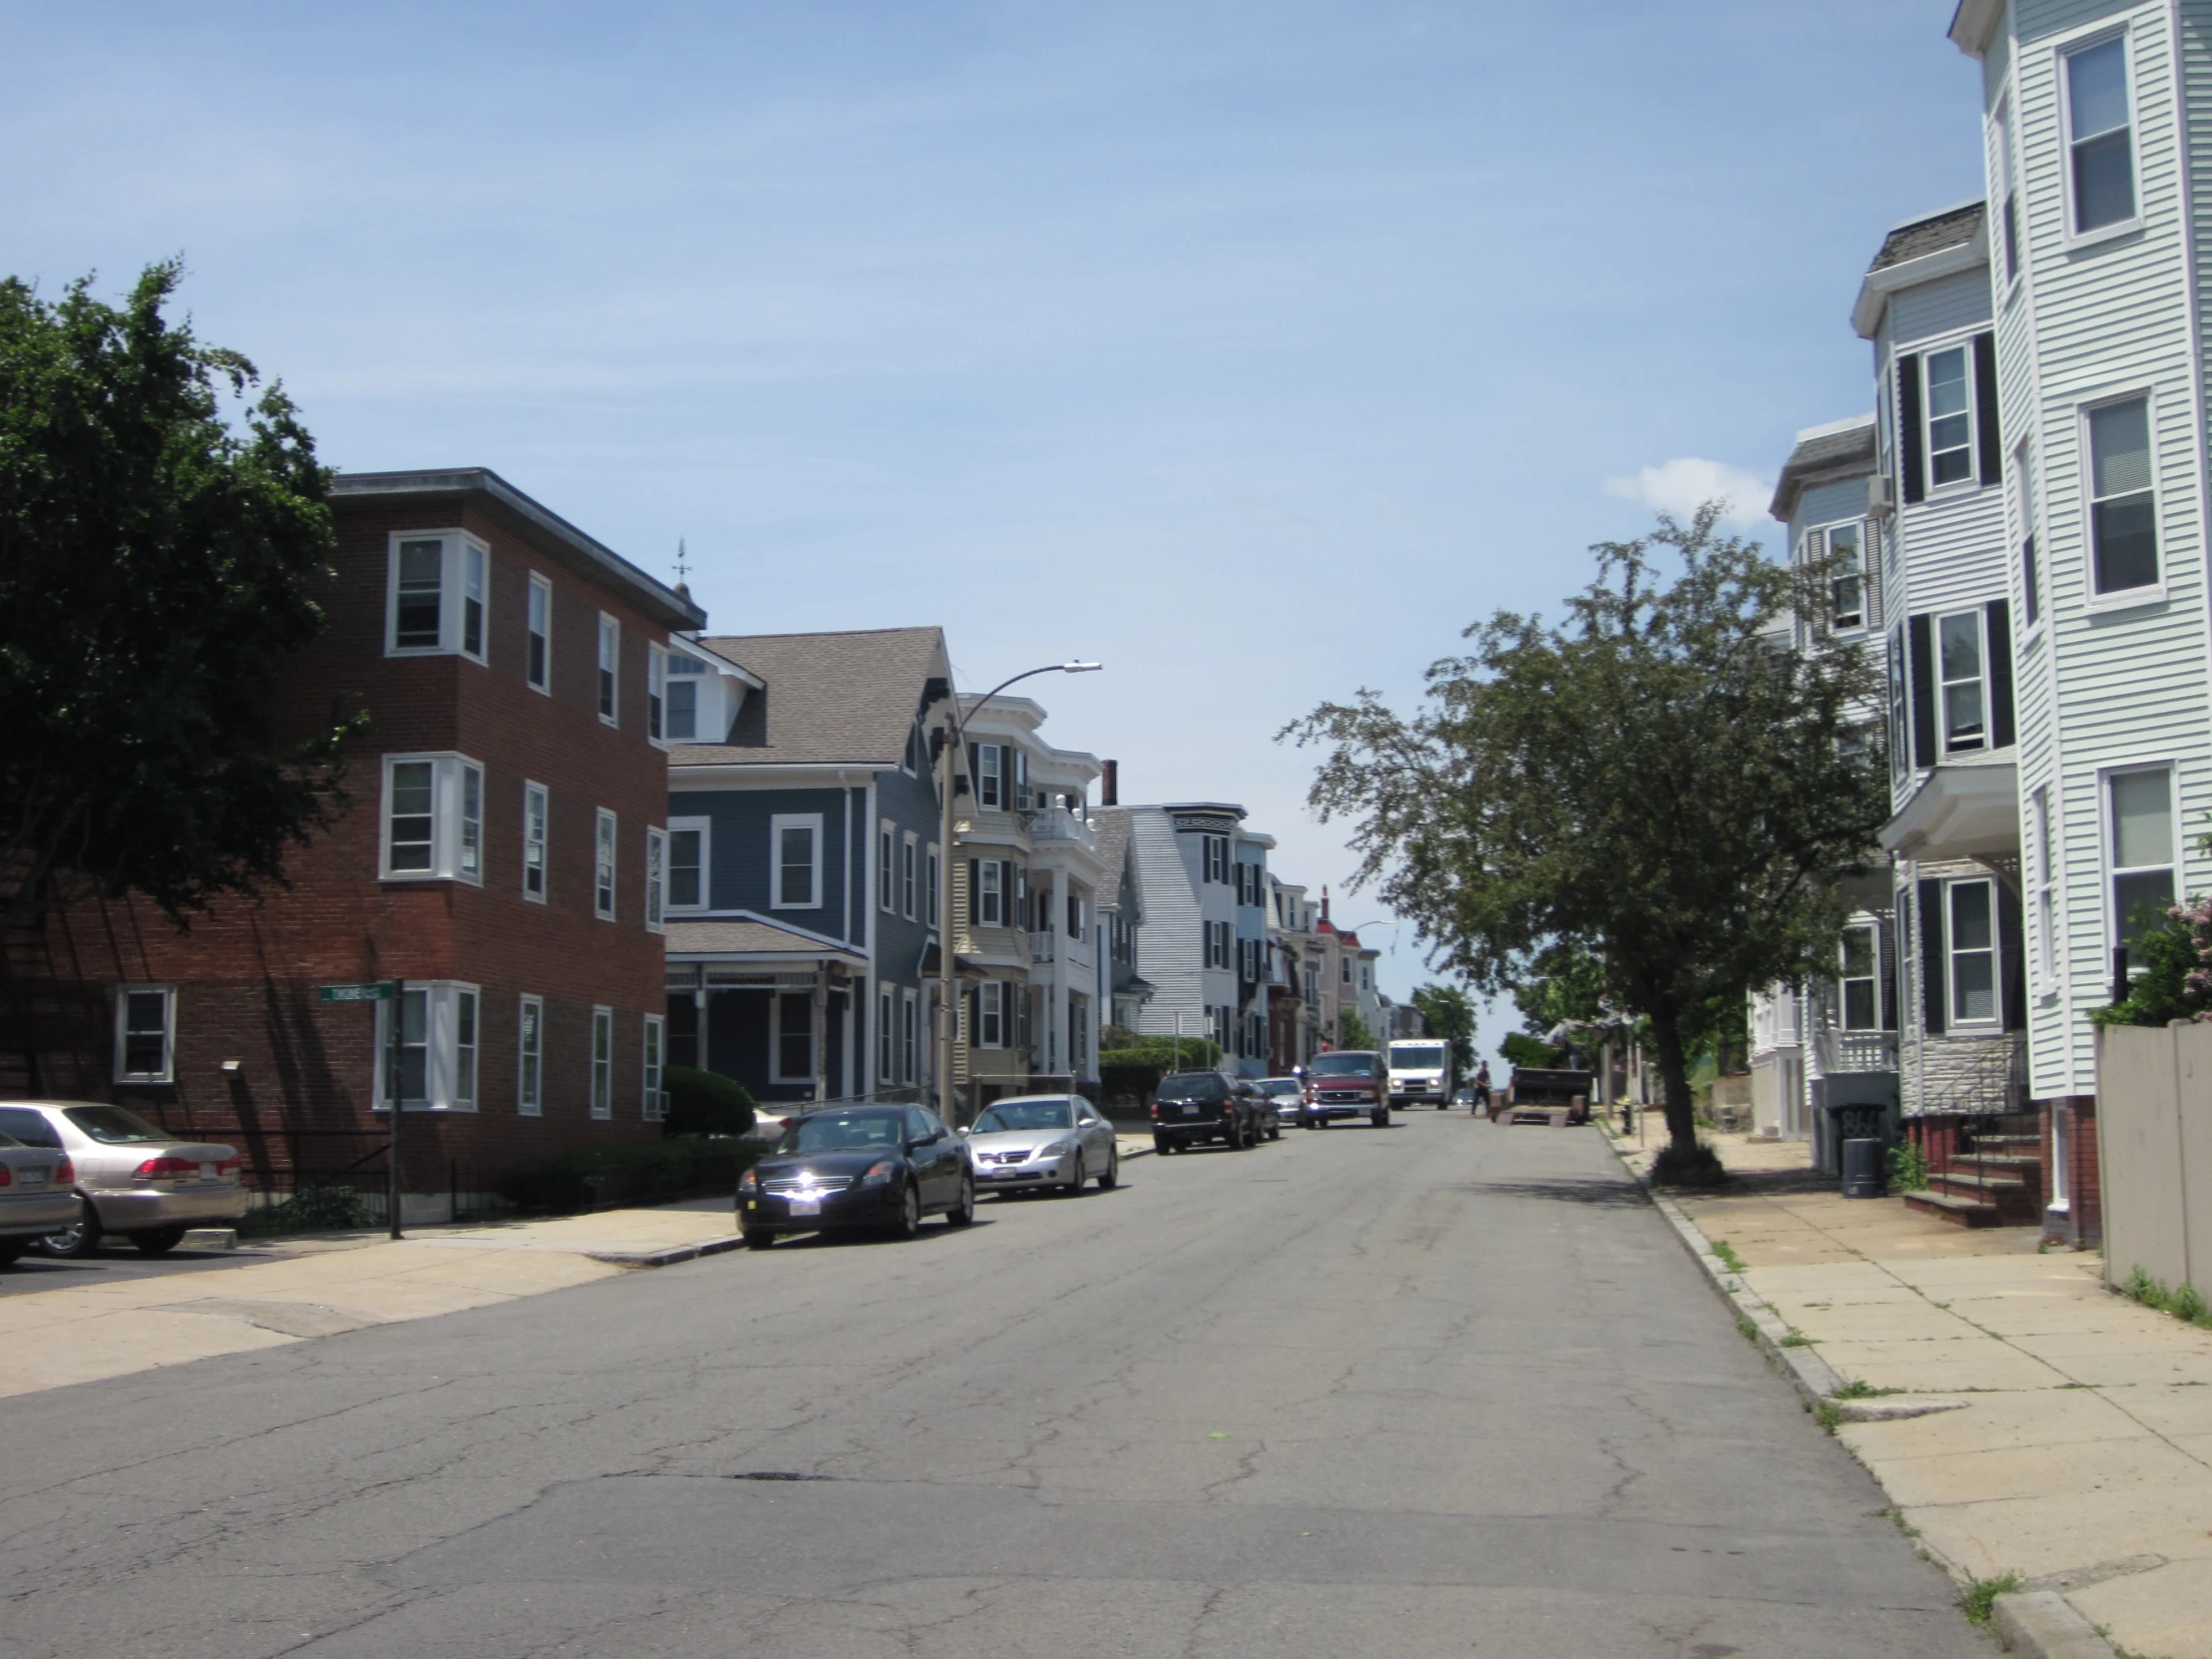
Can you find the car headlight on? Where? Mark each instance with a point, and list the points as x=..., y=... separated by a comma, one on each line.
x=1058, y=1149
x=750, y=1181
x=879, y=1174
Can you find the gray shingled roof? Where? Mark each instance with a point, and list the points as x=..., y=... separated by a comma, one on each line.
x=1949, y=228
x=733, y=938
x=1851, y=447
x=830, y=699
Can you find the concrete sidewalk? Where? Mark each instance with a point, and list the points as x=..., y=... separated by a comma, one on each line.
x=2080, y=1456
x=317, y=1287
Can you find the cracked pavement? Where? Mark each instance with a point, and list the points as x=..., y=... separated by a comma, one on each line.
x=1450, y=1389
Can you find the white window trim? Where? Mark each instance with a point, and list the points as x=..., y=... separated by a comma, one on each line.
x=932, y=891
x=778, y=823
x=990, y=1005
x=990, y=897
x=1826, y=530
x=2062, y=49
x=886, y=867
x=777, y=1073
x=656, y=695
x=1987, y=740
x=540, y=585
x=910, y=1036
x=453, y=565
x=653, y=1068
x=913, y=884
x=601, y=1069
x=1871, y=925
x=2026, y=529
x=542, y=844
x=1957, y=1020
x=529, y=1100
x=705, y=828
x=655, y=879
x=1927, y=353
x=2109, y=835
x=446, y=796
x=2006, y=148
x=441, y=1035
x=2124, y=599
x=167, y=994
x=991, y=765
x=606, y=856
x=2045, y=918
x=886, y=1036
x=607, y=659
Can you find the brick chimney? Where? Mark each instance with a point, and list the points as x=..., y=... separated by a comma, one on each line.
x=1109, y=783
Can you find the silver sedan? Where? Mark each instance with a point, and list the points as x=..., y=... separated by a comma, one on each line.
x=132, y=1177
x=1043, y=1140
x=37, y=1195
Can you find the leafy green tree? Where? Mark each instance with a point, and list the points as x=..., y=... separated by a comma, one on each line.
x=1450, y=1012
x=1566, y=985
x=1660, y=781
x=164, y=545
x=1353, y=1032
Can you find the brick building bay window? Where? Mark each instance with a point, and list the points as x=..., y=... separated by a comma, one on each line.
x=602, y=1063
x=438, y=595
x=434, y=818
x=655, y=1055
x=603, y=880
x=439, y=1037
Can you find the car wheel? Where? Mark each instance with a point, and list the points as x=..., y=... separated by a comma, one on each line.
x=1110, y=1177
x=1275, y=1129
x=1320, y=1122
x=1075, y=1184
x=72, y=1241
x=1162, y=1145
x=963, y=1210
x=158, y=1241
x=757, y=1238
x=1381, y=1119
x=908, y=1223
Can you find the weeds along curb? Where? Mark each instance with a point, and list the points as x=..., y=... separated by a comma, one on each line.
x=2040, y=1623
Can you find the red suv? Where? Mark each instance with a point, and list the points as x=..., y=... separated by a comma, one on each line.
x=1348, y=1084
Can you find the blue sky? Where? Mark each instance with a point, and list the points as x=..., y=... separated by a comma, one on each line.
x=1255, y=349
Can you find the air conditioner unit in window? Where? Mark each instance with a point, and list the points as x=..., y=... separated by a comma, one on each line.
x=1879, y=504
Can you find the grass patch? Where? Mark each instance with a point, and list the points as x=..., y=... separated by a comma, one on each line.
x=1980, y=1595
x=1830, y=1419
x=1897, y=1517
x=1729, y=1258
x=1796, y=1339
x=1745, y=1329
x=2185, y=1304
x=1860, y=1389
x=1907, y=1168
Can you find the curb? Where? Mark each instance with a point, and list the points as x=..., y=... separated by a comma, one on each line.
x=2040, y=1623
x=665, y=1258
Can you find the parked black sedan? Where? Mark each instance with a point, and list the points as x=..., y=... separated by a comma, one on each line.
x=1193, y=1106
x=858, y=1169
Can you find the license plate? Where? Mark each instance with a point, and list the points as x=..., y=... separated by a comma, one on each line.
x=806, y=1206
x=1190, y=1111
x=31, y=1176
x=206, y=1172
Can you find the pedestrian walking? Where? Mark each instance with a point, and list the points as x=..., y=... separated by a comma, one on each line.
x=1481, y=1087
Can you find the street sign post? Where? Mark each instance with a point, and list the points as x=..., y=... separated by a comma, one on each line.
x=393, y=991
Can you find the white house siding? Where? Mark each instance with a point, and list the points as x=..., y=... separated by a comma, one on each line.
x=2103, y=689
x=1829, y=504
x=1170, y=940
x=1957, y=304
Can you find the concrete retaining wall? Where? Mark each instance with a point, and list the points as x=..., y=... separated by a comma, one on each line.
x=2155, y=1151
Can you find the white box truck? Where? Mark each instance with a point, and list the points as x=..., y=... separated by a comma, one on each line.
x=1421, y=1072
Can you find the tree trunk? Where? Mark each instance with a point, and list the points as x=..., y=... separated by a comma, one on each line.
x=1674, y=1081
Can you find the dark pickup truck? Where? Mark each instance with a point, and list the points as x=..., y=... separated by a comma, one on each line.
x=1193, y=1106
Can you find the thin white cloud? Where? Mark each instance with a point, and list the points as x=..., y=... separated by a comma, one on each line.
x=1687, y=482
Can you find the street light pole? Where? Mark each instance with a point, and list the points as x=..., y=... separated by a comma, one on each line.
x=956, y=739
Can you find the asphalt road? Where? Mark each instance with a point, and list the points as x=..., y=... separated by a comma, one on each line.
x=119, y=1259
x=1447, y=1389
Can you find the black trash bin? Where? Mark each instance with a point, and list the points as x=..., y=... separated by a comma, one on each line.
x=1863, y=1169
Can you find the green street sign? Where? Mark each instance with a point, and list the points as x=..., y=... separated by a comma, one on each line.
x=378, y=992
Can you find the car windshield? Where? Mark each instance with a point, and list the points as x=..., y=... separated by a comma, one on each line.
x=113, y=1126
x=1407, y=1058
x=1278, y=1085
x=29, y=1127
x=844, y=1132
x=1025, y=1114
x=1343, y=1065
x=1192, y=1085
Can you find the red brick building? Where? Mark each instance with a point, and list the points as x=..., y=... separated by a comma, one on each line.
x=502, y=854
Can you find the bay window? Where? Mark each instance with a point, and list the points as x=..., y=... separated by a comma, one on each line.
x=2123, y=512
x=2101, y=141
x=2139, y=852
x=437, y=595
x=433, y=819
x=439, y=1037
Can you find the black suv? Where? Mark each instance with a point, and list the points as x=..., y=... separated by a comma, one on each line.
x=1193, y=1106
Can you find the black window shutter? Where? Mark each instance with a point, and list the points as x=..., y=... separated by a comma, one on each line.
x=1999, y=614
x=1931, y=906
x=974, y=892
x=2014, y=965
x=1886, y=986
x=1924, y=691
x=1985, y=407
x=1914, y=466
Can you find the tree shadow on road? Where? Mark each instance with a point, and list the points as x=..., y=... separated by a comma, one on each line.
x=1609, y=1195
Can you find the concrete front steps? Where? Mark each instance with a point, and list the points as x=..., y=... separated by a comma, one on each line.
x=1999, y=1183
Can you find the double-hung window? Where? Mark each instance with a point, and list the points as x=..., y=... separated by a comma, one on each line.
x=687, y=863
x=1901, y=754
x=1217, y=944
x=887, y=1035
x=908, y=856
x=988, y=765
x=990, y=1015
x=602, y=1064
x=795, y=1037
x=656, y=693
x=1859, y=984
x=1972, y=941
x=932, y=876
x=910, y=1036
x=1216, y=852
x=656, y=1057
x=610, y=667
x=1950, y=417
x=685, y=675
x=537, y=668
x=146, y=1034
x=655, y=877
x=2032, y=582
x=440, y=1032
x=537, y=812
x=1076, y=918
x=886, y=867
x=603, y=866
x=2140, y=851
x=794, y=843
x=433, y=819
x=2123, y=509
x=2100, y=143
x=2046, y=880
x=991, y=892
x=1960, y=665
x=2009, y=194
x=437, y=595
x=531, y=1058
